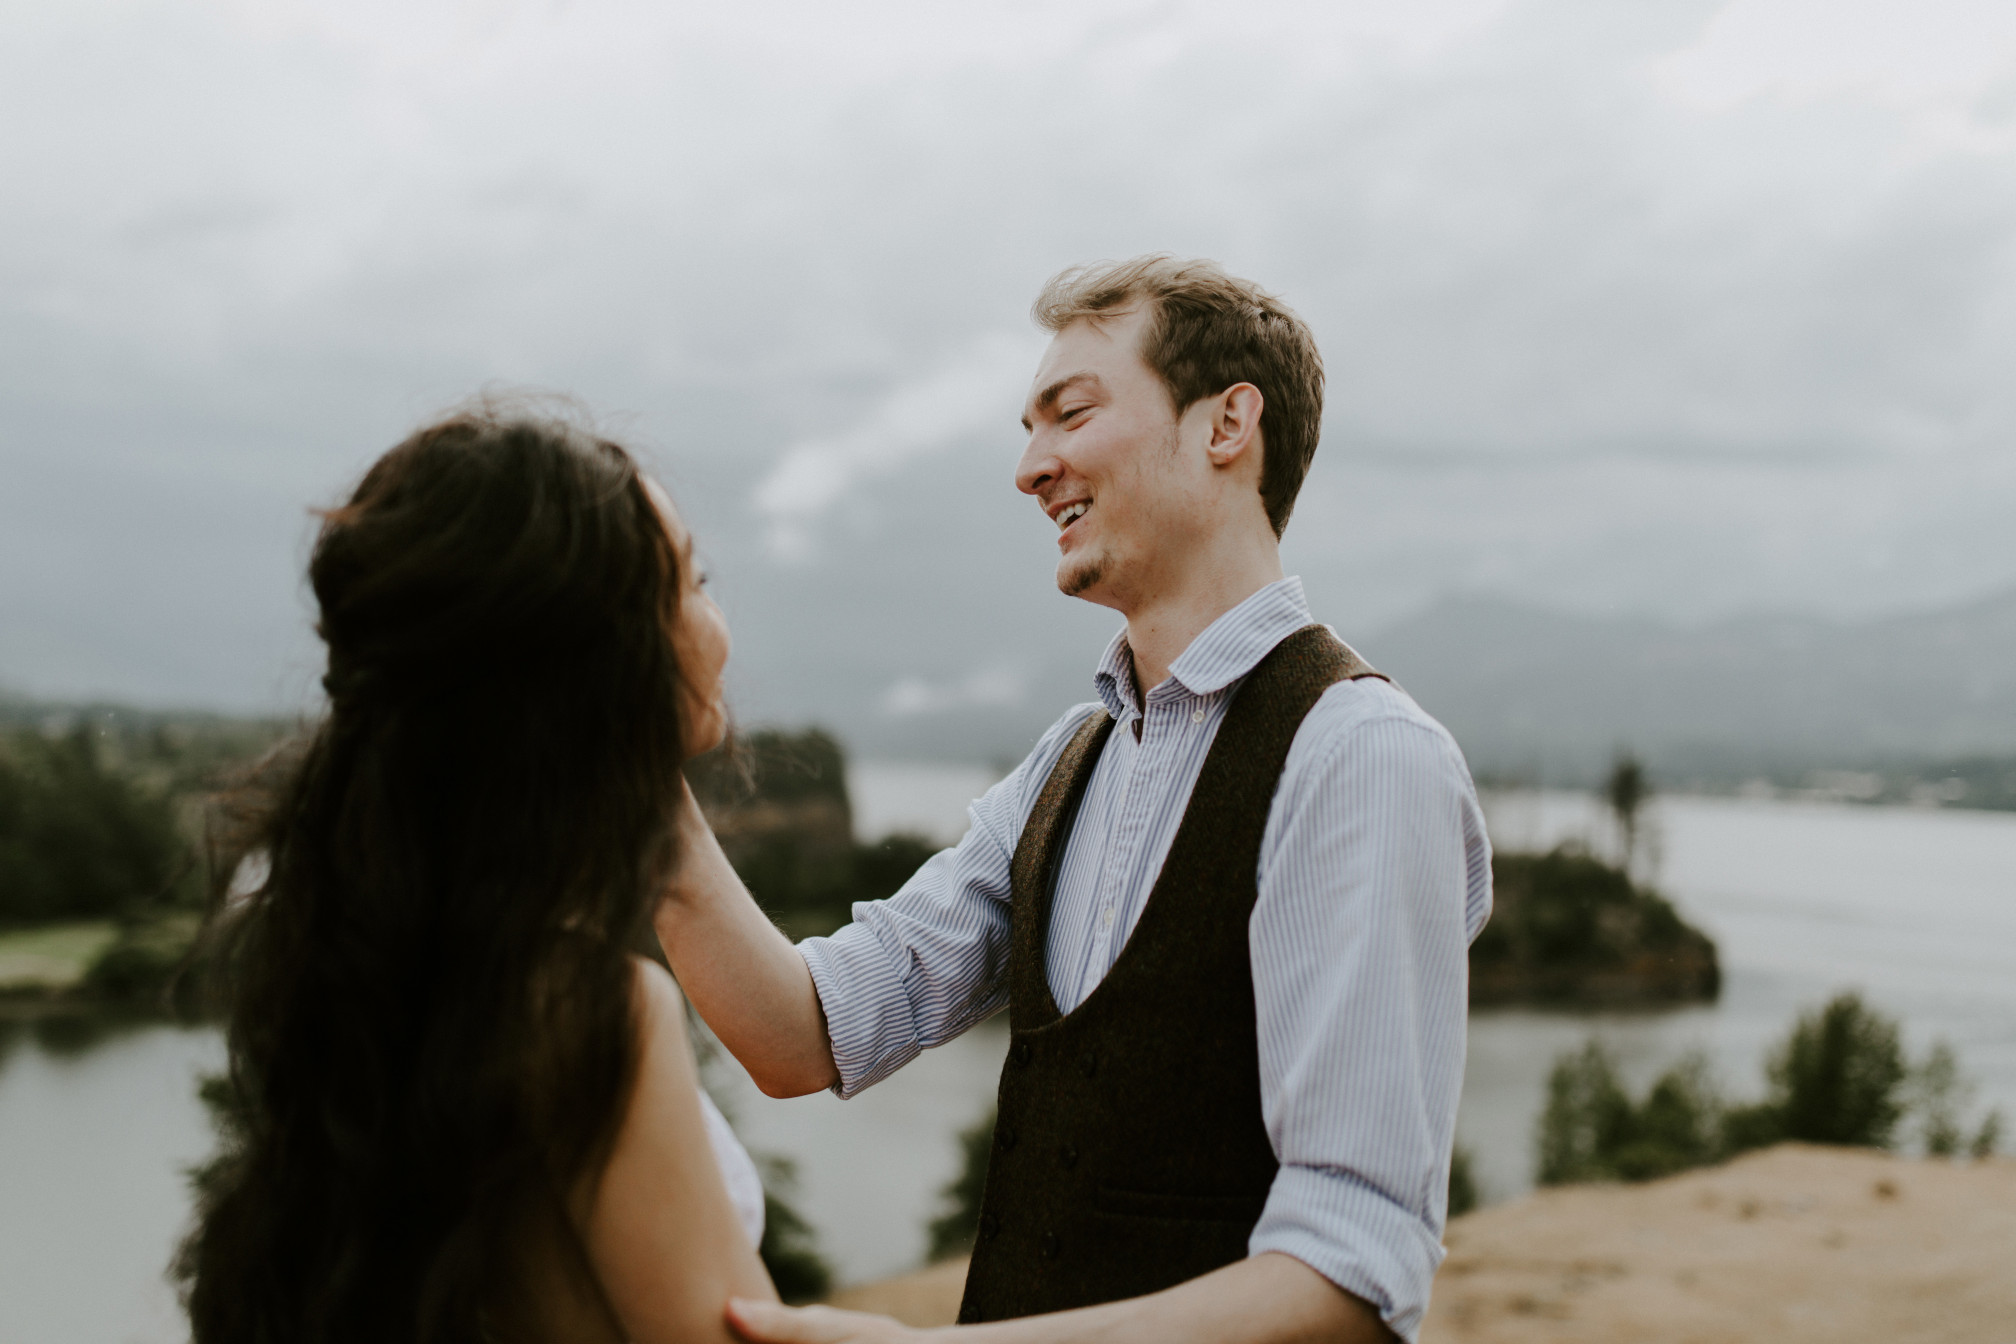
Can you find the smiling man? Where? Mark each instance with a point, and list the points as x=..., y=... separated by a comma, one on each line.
x=1227, y=903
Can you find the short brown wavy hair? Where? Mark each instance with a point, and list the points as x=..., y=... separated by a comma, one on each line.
x=1208, y=330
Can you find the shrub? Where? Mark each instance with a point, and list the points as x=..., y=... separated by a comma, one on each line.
x=1675, y=1128
x=1839, y=1077
x=1462, y=1182
x=1588, y=1118
x=79, y=840
x=1593, y=1131
x=141, y=965
x=789, y=1249
x=1988, y=1138
x=953, y=1231
x=1756, y=1125
x=1940, y=1094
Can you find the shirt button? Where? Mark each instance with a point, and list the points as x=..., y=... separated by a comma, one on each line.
x=1106, y=918
x=1197, y=714
x=1006, y=1135
x=1022, y=1052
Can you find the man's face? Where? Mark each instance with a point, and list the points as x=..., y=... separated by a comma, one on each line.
x=1106, y=461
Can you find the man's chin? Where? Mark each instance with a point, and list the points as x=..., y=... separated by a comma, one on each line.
x=1077, y=578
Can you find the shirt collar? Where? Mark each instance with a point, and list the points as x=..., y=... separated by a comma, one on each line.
x=1227, y=650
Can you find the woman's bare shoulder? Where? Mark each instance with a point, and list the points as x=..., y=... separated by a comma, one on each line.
x=656, y=988
x=661, y=1233
x=662, y=1040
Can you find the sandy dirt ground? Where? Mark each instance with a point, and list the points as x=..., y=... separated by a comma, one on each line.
x=1792, y=1245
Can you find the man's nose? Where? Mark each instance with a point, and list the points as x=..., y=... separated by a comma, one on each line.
x=1038, y=468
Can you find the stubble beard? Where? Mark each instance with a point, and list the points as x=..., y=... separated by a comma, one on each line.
x=1074, y=580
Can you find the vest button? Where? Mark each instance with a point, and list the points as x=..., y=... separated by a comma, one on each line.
x=1006, y=1134
x=1022, y=1052
x=1068, y=1155
x=1089, y=1065
x=990, y=1226
x=1050, y=1246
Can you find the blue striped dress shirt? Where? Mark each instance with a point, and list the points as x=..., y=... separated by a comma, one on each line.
x=1374, y=876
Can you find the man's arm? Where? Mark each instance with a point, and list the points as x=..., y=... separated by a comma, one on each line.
x=911, y=972
x=740, y=971
x=1374, y=866
x=1268, y=1299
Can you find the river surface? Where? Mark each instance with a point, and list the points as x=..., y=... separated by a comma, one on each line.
x=1915, y=908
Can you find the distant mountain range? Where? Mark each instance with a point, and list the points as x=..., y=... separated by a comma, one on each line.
x=1531, y=694
x=1543, y=695
x=1549, y=696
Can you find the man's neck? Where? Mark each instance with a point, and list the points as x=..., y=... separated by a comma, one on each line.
x=1165, y=623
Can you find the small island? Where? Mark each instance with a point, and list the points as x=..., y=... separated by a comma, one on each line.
x=1568, y=928
x=777, y=800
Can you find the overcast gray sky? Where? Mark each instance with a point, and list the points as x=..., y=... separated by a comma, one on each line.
x=1673, y=307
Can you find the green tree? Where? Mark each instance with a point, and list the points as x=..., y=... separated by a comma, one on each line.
x=1587, y=1120
x=1939, y=1095
x=1839, y=1077
x=1626, y=790
x=1593, y=1131
x=1676, y=1127
x=79, y=840
x=143, y=966
x=1987, y=1138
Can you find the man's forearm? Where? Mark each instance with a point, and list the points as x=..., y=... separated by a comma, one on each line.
x=1269, y=1299
x=740, y=971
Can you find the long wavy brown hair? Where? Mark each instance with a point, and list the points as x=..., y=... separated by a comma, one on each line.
x=429, y=995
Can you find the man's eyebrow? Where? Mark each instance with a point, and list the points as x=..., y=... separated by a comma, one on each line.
x=1049, y=396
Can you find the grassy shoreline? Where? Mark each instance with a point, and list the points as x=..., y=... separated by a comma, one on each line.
x=126, y=965
x=52, y=959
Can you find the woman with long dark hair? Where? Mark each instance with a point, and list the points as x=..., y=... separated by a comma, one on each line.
x=463, y=1109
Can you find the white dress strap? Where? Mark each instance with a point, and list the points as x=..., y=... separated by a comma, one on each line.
x=738, y=1172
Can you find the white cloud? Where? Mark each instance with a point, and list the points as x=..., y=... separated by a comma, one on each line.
x=1672, y=305
x=1914, y=54
x=987, y=688
x=977, y=390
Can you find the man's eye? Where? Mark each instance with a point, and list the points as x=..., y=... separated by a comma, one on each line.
x=1074, y=411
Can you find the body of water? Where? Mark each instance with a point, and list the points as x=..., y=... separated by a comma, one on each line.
x=98, y=1121
x=1915, y=908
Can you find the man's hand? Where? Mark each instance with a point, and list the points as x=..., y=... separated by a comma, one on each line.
x=769, y=1323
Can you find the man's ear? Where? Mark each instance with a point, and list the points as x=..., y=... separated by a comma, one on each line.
x=1235, y=424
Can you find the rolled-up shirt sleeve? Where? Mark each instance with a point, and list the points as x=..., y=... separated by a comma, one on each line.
x=915, y=970
x=1374, y=877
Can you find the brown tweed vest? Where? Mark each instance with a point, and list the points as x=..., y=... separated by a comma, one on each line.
x=1130, y=1154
